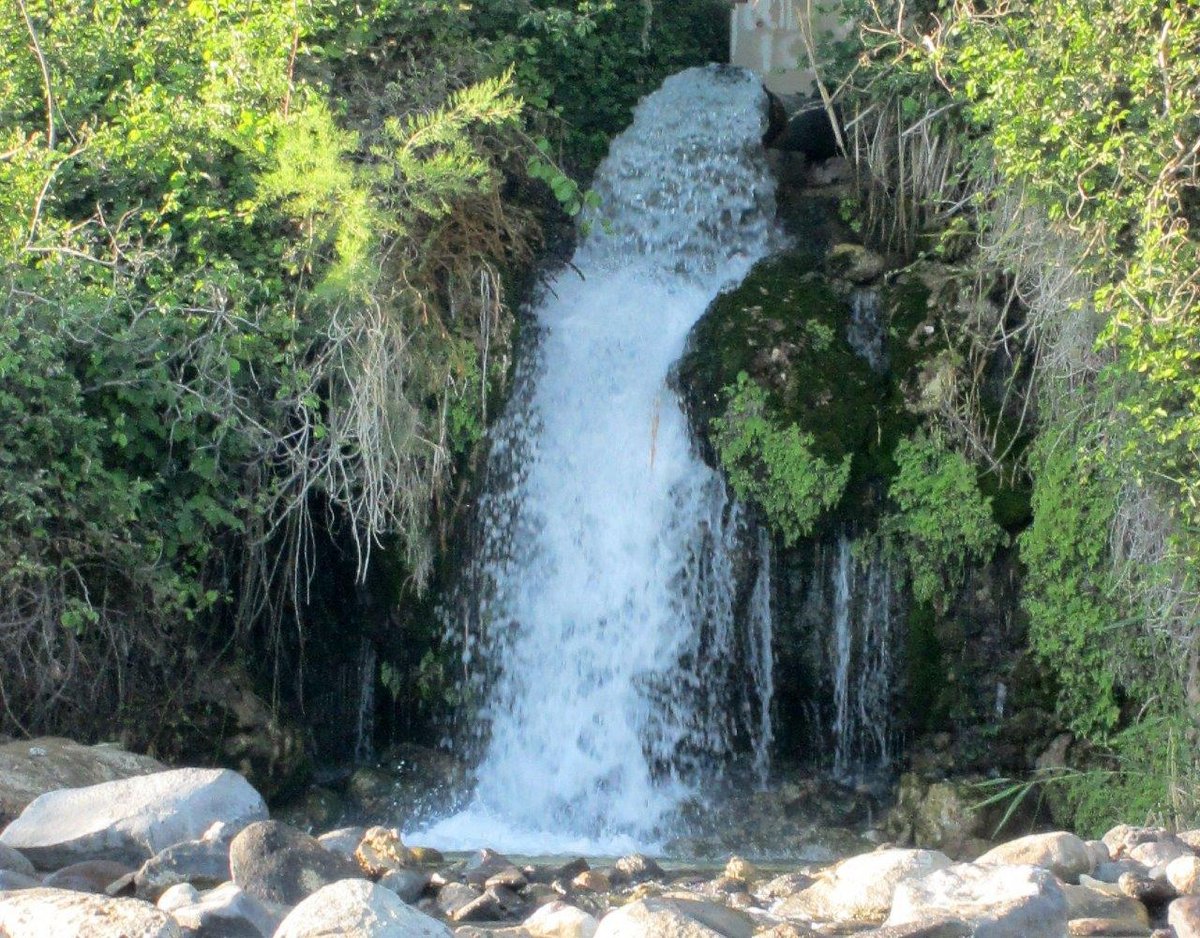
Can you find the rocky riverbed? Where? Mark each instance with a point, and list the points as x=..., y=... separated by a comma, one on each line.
x=150, y=853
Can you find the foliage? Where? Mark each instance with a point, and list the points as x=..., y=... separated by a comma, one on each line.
x=777, y=468
x=1058, y=147
x=1074, y=620
x=941, y=523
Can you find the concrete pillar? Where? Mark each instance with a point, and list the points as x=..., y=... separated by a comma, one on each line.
x=766, y=36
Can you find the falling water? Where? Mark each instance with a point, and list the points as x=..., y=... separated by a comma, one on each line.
x=850, y=612
x=604, y=612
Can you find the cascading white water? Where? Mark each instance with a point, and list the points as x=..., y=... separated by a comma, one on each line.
x=604, y=600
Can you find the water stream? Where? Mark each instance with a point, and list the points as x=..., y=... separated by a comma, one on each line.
x=619, y=597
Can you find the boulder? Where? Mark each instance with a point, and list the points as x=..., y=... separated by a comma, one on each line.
x=131, y=819
x=356, y=908
x=1119, y=911
x=279, y=864
x=560, y=920
x=33, y=767
x=93, y=876
x=998, y=901
x=635, y=868
x=177, y=896
x=782, y=886
x=1184, y=874
x=13, y=861
x=495, y=904
x=61, y=913
x=228, y=912
x=1159, y=852
x=942, y=815
x=1183, y=915
x=1060, y=852
x=343, y=841
x=737, y=868
x=1124, y=837
x=591, y=881
x=675, y=918
x=938, y=926
x=203, y=863
x=380, y=850
x=407, y=884
x=455, y=896
x=484, y=865
x=860, y=889
x=10, y=879
x=1149, y=891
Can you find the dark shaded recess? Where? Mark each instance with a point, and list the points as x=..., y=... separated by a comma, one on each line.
x=801, y=125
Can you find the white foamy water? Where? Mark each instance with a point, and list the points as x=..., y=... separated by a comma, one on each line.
x=606, y=613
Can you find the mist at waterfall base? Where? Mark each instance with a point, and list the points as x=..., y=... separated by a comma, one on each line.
x=608, y=624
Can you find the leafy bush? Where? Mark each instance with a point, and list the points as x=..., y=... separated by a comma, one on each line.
x=776, y=468
x=942, y=522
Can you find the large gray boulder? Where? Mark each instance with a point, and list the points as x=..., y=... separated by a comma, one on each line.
x=356, y=908
x=277, y=863
x=50, y=763
x=60, y=913
x=860, y=889
x=998, y=901
x=675, y=917
x=132, y=819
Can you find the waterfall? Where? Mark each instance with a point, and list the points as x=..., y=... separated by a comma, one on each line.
x=604, y=612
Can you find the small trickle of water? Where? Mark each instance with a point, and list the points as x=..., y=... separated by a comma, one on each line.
x=866, y=330
x=602, y=614
x=859, y=642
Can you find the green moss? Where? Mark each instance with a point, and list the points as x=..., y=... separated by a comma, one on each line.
x=786, y=328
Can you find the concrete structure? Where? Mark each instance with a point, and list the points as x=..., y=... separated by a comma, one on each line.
x=768, y=36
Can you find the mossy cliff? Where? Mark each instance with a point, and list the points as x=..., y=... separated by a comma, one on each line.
x=811, y=384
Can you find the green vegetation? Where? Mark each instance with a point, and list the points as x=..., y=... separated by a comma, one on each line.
x=1046, y=157
x=941, y=523
x=256, y=264
x=775, y=467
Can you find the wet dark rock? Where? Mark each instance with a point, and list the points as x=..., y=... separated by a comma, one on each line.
x=1153, y=893
x=409, y=885
x=276, y=863
x=455, y=896
x=484, y=865
x=495, y=904
x=509, y=878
